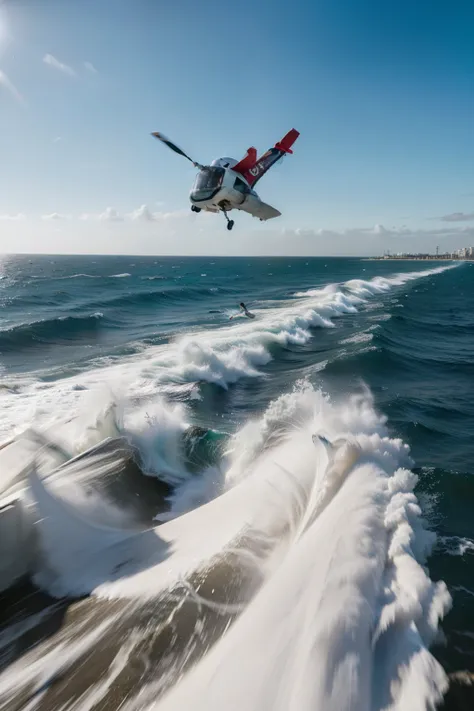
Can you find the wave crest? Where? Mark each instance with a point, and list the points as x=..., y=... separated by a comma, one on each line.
x=315, y=502
x=54, y=330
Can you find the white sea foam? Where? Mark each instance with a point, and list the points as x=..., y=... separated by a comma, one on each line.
x=363, y=337
x=345, y=613
x=46, y=667
x=455, y=545
x=345, y=620
x=80, y=276
x=221, y=356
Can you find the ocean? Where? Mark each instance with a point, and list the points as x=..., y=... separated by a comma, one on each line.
x=272, y=513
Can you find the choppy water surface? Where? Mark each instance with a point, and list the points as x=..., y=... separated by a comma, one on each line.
x=275, y=513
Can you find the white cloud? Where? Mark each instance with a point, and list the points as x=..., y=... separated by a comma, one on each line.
x=7, y=84
x=54, y=216
x=110, y=214
x=458, y=217
x=57, y=139
x=182, y=215
x=90, y=67
x=357, y=241
x=145, y=231
x=172, y=235
x=143, y=213
x=13, y=218
x=56, y=64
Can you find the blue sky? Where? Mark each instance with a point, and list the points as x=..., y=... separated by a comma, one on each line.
x=382, y=93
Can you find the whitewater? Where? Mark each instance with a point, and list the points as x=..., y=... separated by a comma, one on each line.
x=220, y=356
x=279, y=566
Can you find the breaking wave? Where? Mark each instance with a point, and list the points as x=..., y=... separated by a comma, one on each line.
x=220, y=356
x=304, y=538
x=225, y=356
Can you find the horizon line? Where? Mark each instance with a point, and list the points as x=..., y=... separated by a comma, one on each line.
x=217, y=256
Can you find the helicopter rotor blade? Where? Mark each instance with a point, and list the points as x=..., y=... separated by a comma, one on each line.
x=174, y=147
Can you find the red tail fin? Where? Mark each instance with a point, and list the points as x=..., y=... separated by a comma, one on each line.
x=285, y=144
x=247, y=162
x=253, y=169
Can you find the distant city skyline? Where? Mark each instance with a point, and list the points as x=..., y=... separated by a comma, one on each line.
x=460, y=253
x=382, y=97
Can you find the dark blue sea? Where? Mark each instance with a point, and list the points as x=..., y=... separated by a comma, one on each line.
x=381, y=352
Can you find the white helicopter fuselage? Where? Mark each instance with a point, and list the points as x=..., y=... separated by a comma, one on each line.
x=217, y=187
x=227, y=184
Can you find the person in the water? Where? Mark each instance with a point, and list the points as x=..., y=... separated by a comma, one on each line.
x=245, y=310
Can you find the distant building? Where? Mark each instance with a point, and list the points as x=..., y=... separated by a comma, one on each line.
x=462, y=253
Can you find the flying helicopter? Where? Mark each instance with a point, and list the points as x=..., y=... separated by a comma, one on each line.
x=228, y=184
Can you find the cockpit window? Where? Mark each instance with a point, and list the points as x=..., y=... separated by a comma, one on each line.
x=208, y=179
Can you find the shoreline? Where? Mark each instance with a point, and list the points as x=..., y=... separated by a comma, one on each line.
x=417, y=259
